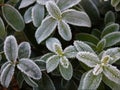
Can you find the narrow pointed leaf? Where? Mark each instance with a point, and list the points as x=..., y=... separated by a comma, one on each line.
x=88, y=58
x=2, y=29
x=37, y=14
x=28, y=15
x=66, y=73
x=25, y=3
x=53, y=10
x=112, y=73
x=29, y=68
x=52, y=63
x=11, y=48
x=6, y=75
x=90, y=81
x=24, y=50
x=13, y=17
x=65, y=4
x=78, y=18
x=64, y=30
x=43, y=32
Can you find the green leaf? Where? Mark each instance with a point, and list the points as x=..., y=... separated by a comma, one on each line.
x=13, y=17
x=70, y=52
x=28, y=15
x=44, y=32
x=117, y=8
x=78, y=18
x=20, y=79
x=112, y=38
x=37, y=14
x=24, y=50
x=11, y=48
x=52, y=63
x=2, y=29
x=50, y=42
x=66, y=73
x=96, y=33
x=115, y=2
x=81, y=46
x=41, y=64
x=101, y=45
x=65, y=4
x=25, y=3
x=58, y=49
x=29, y=68
x=90, y=59
x=53, y=10
x=90, y=81
x=64, y=62
x=109, y=29
x=87, y=37
x=6, y=75
x=109, y=17
x=29, y=81
x=64, y=30
x=112, y=73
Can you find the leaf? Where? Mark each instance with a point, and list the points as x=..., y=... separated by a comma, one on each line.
x=24, y=50
x=11, y=48
x=41, y=64
x=70, y=52
x=13, y=17
x=53, y=10
x=66, y=73
x=37, y=14
x=45, y=83
x=65, y=4
x=20, y=79
x=114, y=54
x=44, y=2
x=58, y=49
x=97, y=69
x=109, y=17
x=6, y=75
x=115, y=2
x=96, y=33
x=28, y=15
x=50, y=42
x=112, y=73
x=43, y=32
x=25, y=3
x=64, y=62
x=88, y=58
x=64, y=30
x=112, y=38
x=52, y=63
x=117, y=8
x=78, y=18
x=4, y=66
x=87, y=37
x=29, y=81
x=90, y=81
x=2, y=29
x=109, y=29
x=81, y=46
x=29, y=68
x=101, y=45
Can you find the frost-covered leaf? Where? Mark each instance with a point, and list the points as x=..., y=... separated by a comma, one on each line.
x=78, y=18
x=53, y=10
x=109, y=29
x=29, y=68
x=4, y=66
x=65, y=4
x=46, y=28
x=58, y=49
x=112, y=73
x=109, y=17
x=90, y=81
x=6, y=75
x=44, y=2
x=117, y=8
x=25, y=3
x=41, y=64
x=114, y=54
x=64, y=62
x=64, y=30
x=70, y=52
x=37, y=14
x=13, y=17
x=50, y=42
x=29, y=81
x=112, y=38
x=90, y=59
x=52, y=63
x=101, y=45
x=115, y=2
x=97, y=69
x=2, y=29
x=28, y=15
x=24, y=50
x=20, y=79
x=11, y=48
x=66, y=73
x=81, y=46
